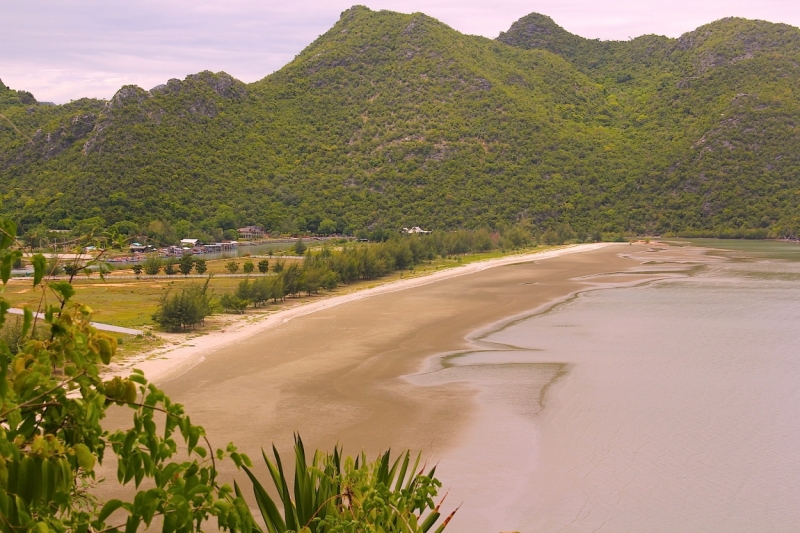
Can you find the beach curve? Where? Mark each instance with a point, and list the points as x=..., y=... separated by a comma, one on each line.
x=171, y=363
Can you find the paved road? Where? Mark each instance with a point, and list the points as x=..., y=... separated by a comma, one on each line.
x=98, y=325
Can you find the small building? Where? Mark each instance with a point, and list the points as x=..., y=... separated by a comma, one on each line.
x=137, y=248
x=190, y=243
x=251, y=233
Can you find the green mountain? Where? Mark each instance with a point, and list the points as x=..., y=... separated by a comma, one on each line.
x=391, y=120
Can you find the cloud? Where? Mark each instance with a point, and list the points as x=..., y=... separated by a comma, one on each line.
x=61, y=50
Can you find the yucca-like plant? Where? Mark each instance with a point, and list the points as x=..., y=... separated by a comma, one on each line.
x=333, y=494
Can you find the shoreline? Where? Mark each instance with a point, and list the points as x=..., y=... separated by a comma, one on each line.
x=339, y=375
x=353, y=376
x=161, y=364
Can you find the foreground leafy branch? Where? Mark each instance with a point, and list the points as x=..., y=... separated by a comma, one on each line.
x=53, y=400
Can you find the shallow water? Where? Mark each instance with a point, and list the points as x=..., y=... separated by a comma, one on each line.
x=673, y=406
x=750, y=249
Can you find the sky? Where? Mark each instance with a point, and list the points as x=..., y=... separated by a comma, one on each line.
x=61, y=50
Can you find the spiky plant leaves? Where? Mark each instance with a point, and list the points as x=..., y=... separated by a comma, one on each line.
x=336, y=493
x=267, y=507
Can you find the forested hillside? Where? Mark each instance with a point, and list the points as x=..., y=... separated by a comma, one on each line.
x=390, y=120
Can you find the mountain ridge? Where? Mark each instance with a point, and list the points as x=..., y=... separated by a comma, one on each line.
x=391, y=119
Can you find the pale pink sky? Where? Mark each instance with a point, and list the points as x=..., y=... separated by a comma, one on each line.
x=66, y=49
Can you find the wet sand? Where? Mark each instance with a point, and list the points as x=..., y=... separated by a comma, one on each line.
x=335, y=375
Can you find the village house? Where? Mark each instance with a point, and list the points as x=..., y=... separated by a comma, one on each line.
x=251, y=233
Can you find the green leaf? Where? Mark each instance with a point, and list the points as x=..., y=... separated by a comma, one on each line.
x=23, y=516
x=109, y=507
x=106, y=352
x=85, y=458
x=39, y=265
x=63, y=288
x=269, y=511
x=25, y=477
x=4, y=307
x=132, y=524
x=27, y=322
x=6, y=263
x=430, y=520
x=48, y=480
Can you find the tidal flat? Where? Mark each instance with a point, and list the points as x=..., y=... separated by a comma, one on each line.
x=667, y=406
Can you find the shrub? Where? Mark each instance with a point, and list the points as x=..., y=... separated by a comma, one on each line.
x=232, y=267
x=263, y=266
x=515, y=237
x=186, y=264
x=52, y=439
x=169, y=268
x=184, y=309
x=54, y=266
x=12, y=335
x=233, y=303
x=152, y=265
x=276, y=289
x=551, y=237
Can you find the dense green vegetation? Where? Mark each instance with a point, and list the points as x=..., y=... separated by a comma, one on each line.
x=327, y=268
x=392, y=120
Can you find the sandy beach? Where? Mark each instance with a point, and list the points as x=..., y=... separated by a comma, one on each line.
x=169, y=362
x=331, y=369
x=336, y=370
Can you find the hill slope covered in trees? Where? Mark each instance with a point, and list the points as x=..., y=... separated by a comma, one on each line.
x=391, y=119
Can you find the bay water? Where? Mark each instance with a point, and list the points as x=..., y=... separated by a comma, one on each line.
x=669, y=406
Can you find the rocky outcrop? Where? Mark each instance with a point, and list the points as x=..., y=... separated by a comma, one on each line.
x=129, y=94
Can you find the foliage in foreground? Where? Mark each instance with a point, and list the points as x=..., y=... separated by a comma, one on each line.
x=53, y=400
x=332, y=493
x=52, y=404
